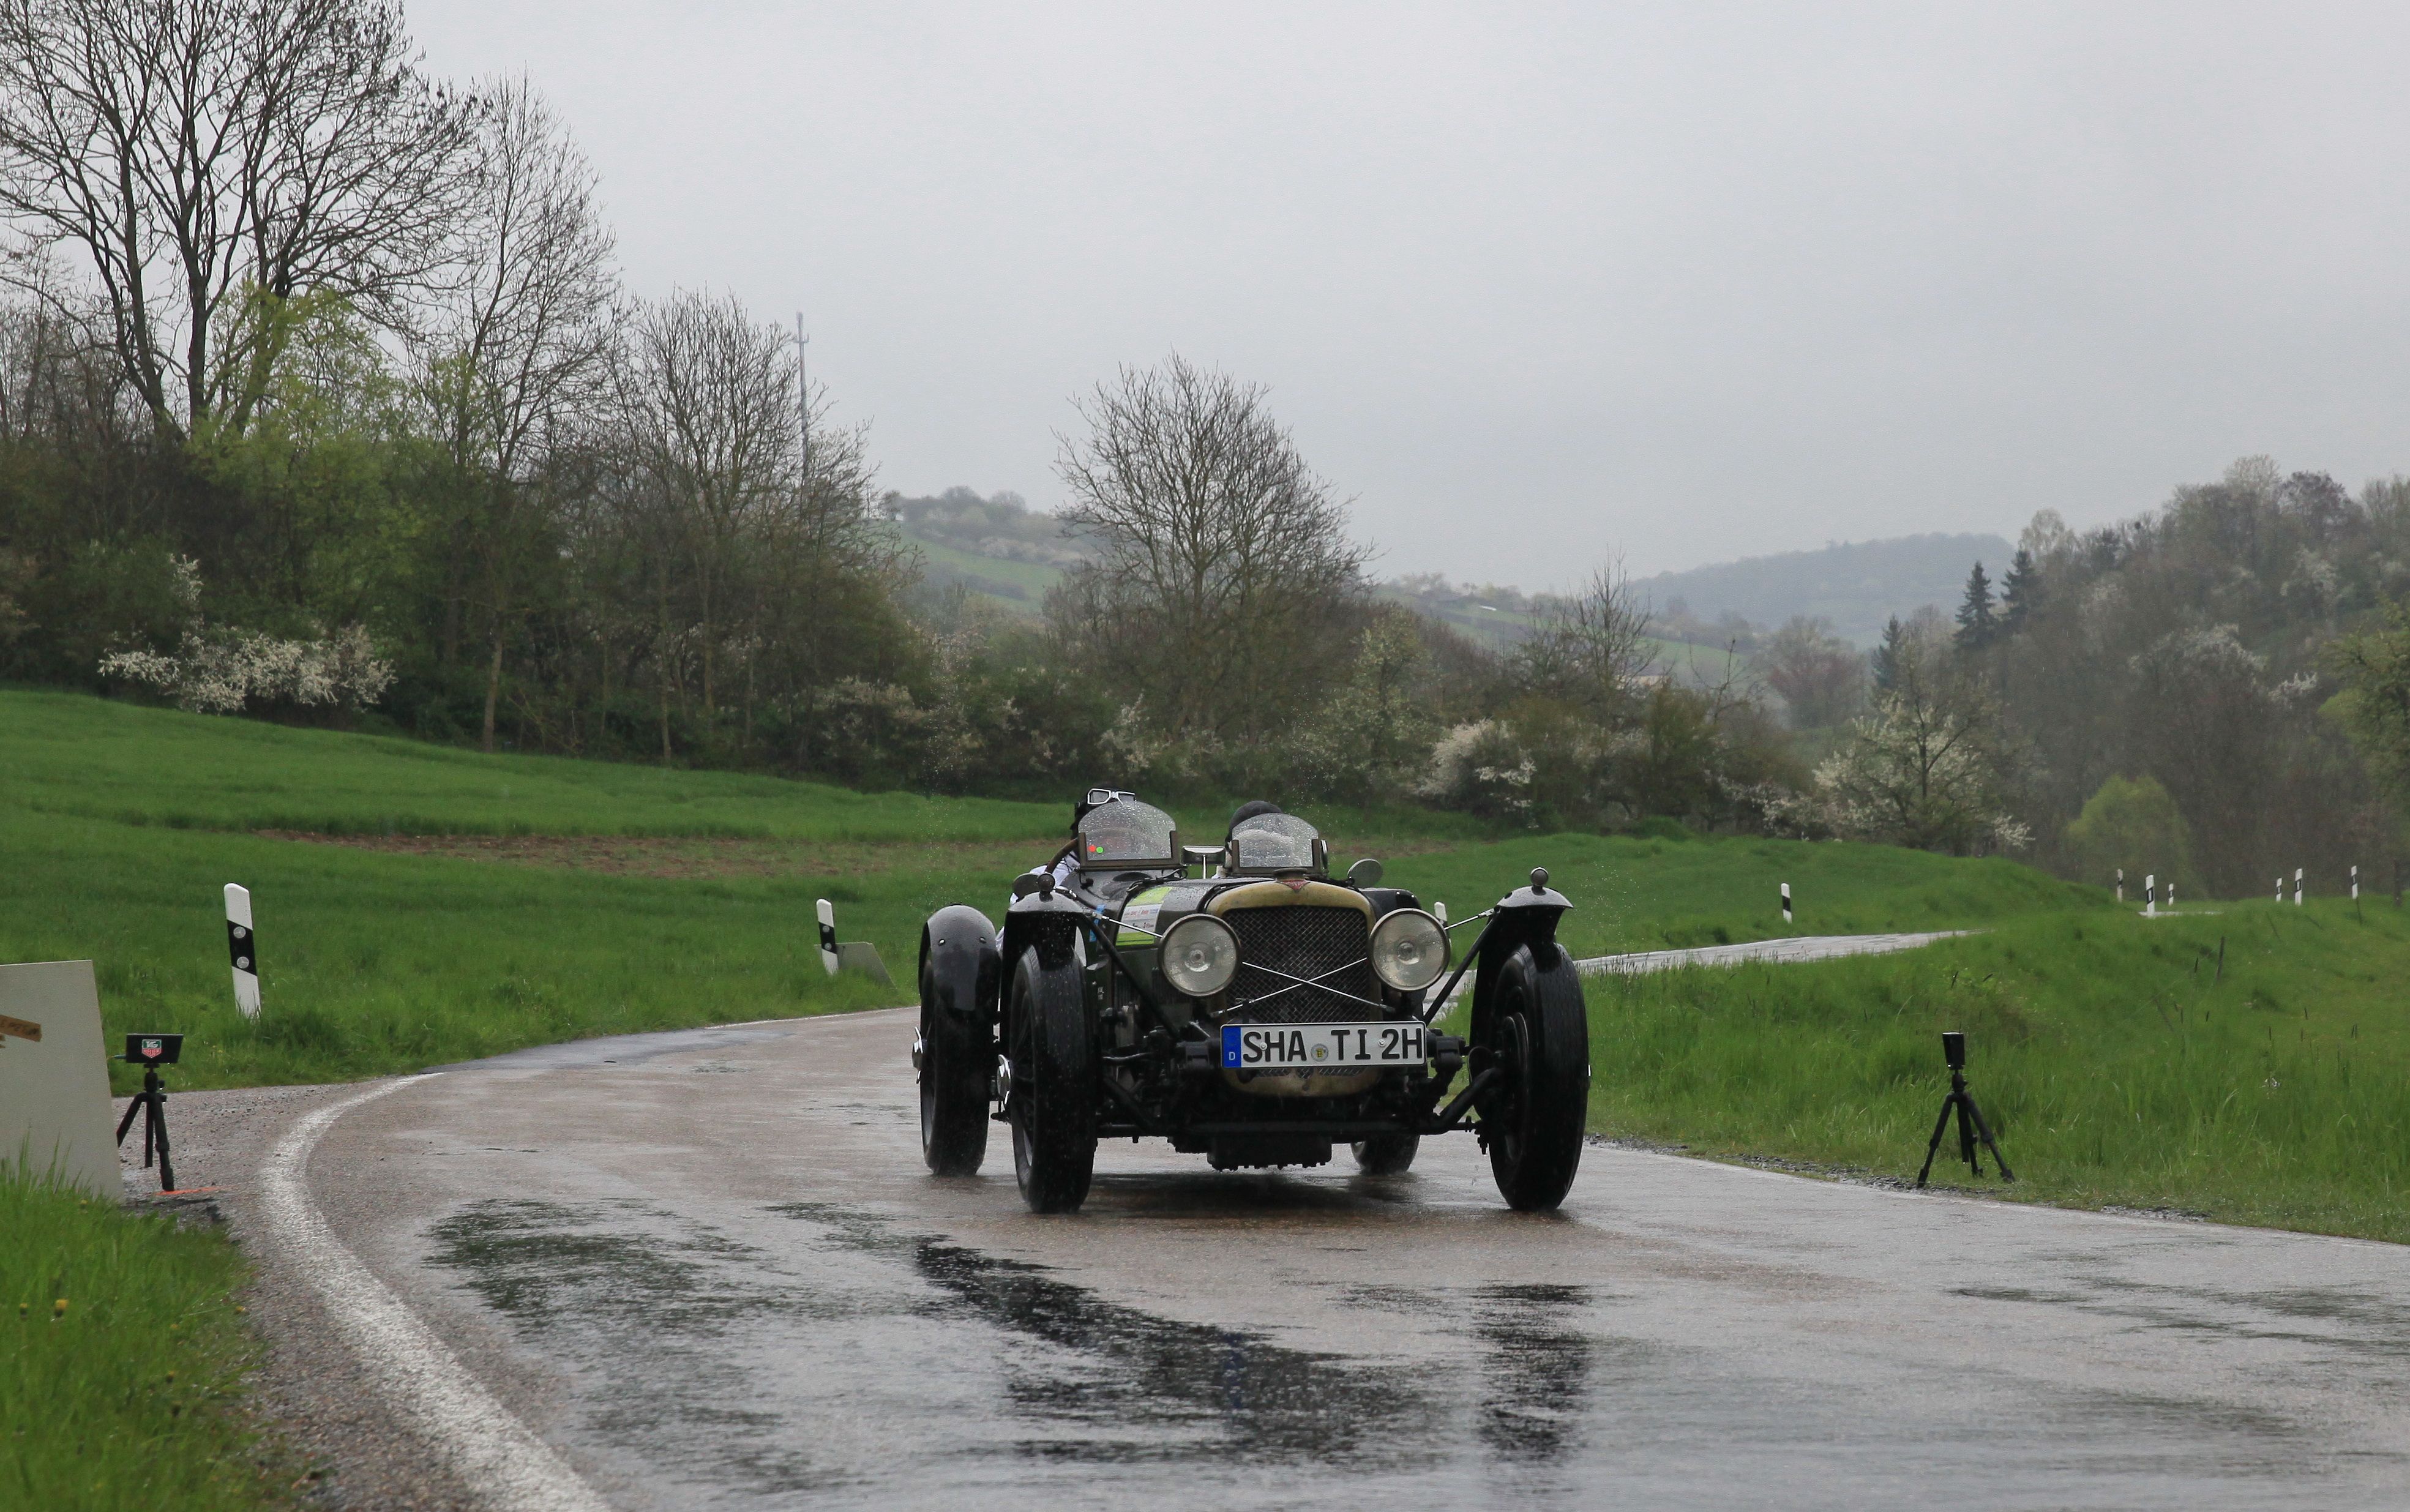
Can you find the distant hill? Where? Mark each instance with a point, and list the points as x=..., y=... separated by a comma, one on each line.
x=1856, y=586
x=999, y=548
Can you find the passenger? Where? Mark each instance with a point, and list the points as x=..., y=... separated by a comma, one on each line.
x=1065, y=867
x=1256, y=808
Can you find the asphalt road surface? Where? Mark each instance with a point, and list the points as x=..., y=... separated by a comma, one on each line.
x=708, y=1270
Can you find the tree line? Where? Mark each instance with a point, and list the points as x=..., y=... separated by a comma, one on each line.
x=2211, y=694
x=321, y=399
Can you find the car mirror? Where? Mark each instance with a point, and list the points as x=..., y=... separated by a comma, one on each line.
x=1028, y=882
x=1365, y=873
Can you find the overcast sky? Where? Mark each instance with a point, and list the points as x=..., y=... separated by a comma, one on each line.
x=1536, y=286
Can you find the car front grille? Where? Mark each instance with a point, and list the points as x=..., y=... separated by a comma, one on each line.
x=1305, y=943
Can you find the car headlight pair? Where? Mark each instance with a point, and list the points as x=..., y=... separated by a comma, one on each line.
x=1201, y=954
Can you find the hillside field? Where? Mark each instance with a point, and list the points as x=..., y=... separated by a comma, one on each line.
x=418, y=904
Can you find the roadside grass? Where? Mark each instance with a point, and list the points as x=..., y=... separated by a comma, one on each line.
x=128, y=1397
x=375, y=964
x=2116, y=1062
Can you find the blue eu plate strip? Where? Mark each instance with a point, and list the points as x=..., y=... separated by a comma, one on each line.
x=1230, y=1045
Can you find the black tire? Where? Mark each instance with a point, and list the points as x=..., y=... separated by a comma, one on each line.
x=957, y=1068
x=1053, y=1107
x=1387, y=1154
x=1538, y=1033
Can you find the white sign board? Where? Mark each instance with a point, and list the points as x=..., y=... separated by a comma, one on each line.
x=54, y=1077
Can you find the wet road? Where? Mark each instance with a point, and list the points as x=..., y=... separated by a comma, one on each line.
x=710, y=1271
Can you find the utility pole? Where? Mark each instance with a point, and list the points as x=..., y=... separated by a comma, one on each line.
x=803, y=396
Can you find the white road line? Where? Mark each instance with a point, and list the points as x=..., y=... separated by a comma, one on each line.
x=488, y=1449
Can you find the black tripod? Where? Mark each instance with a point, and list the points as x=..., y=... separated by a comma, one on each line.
x=1970, y=1120
x=151, y=1102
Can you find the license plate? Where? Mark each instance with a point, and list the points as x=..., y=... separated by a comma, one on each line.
x=1309, y=1047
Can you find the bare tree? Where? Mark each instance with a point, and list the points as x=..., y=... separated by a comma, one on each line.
x=1224, y=565
x=517, y=352
x=213, y=160
x=1591, y=650
x=706, y=403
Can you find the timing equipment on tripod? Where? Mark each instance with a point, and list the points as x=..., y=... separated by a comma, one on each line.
x=1970, y=1120
x=151, y=1051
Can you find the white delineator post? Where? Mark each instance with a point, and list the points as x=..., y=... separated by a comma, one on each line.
x=2171, y=897
x=1786, y=903
x=2121, y=885
x=2280, y=888
x=2150, y=892
x=2297, y=887
x=2354, y=884
x=828, y=936
x=242, y=949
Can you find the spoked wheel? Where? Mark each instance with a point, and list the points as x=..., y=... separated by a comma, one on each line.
x=957, y=1062
x=1387, y=1154
x=1538, y=1035
x=1053, y=1106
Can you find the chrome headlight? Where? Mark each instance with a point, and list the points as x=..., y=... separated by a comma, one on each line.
x=1409, y=950
x=1199, y=955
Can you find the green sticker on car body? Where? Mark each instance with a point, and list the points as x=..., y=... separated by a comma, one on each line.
x=1139, y=915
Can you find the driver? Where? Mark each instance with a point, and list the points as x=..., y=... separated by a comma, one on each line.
x=1064, y=865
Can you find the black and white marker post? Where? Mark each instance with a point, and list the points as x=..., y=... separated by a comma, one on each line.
x=2121, y=885
x=242, y=949
x=2297, y=887
x=1786, y=903
x=828, y=936
x=2150, y=893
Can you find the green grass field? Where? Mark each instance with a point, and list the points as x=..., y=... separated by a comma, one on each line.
x=2119, y=1061
x=475, y=903
x=122, y=1360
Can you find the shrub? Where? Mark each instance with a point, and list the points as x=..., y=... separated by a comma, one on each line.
x=2132, y=823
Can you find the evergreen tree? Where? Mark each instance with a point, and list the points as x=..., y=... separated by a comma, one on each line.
x=1976, y=623
x=1886, y=655
x=2019, y=590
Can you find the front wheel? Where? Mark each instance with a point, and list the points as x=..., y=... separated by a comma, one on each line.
x=1537, y=1032
x=1053, y=1106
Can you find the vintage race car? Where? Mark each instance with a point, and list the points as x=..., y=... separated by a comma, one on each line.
x=1240, y=1002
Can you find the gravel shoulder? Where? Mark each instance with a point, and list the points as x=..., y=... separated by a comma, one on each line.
x=312, y=1387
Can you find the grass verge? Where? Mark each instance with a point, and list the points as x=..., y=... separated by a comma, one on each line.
x=2118, y=1061
x=122, y=1358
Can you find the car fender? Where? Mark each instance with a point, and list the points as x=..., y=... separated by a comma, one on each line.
x=1049, y=921
x=960, y=968
x=1526, y=916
